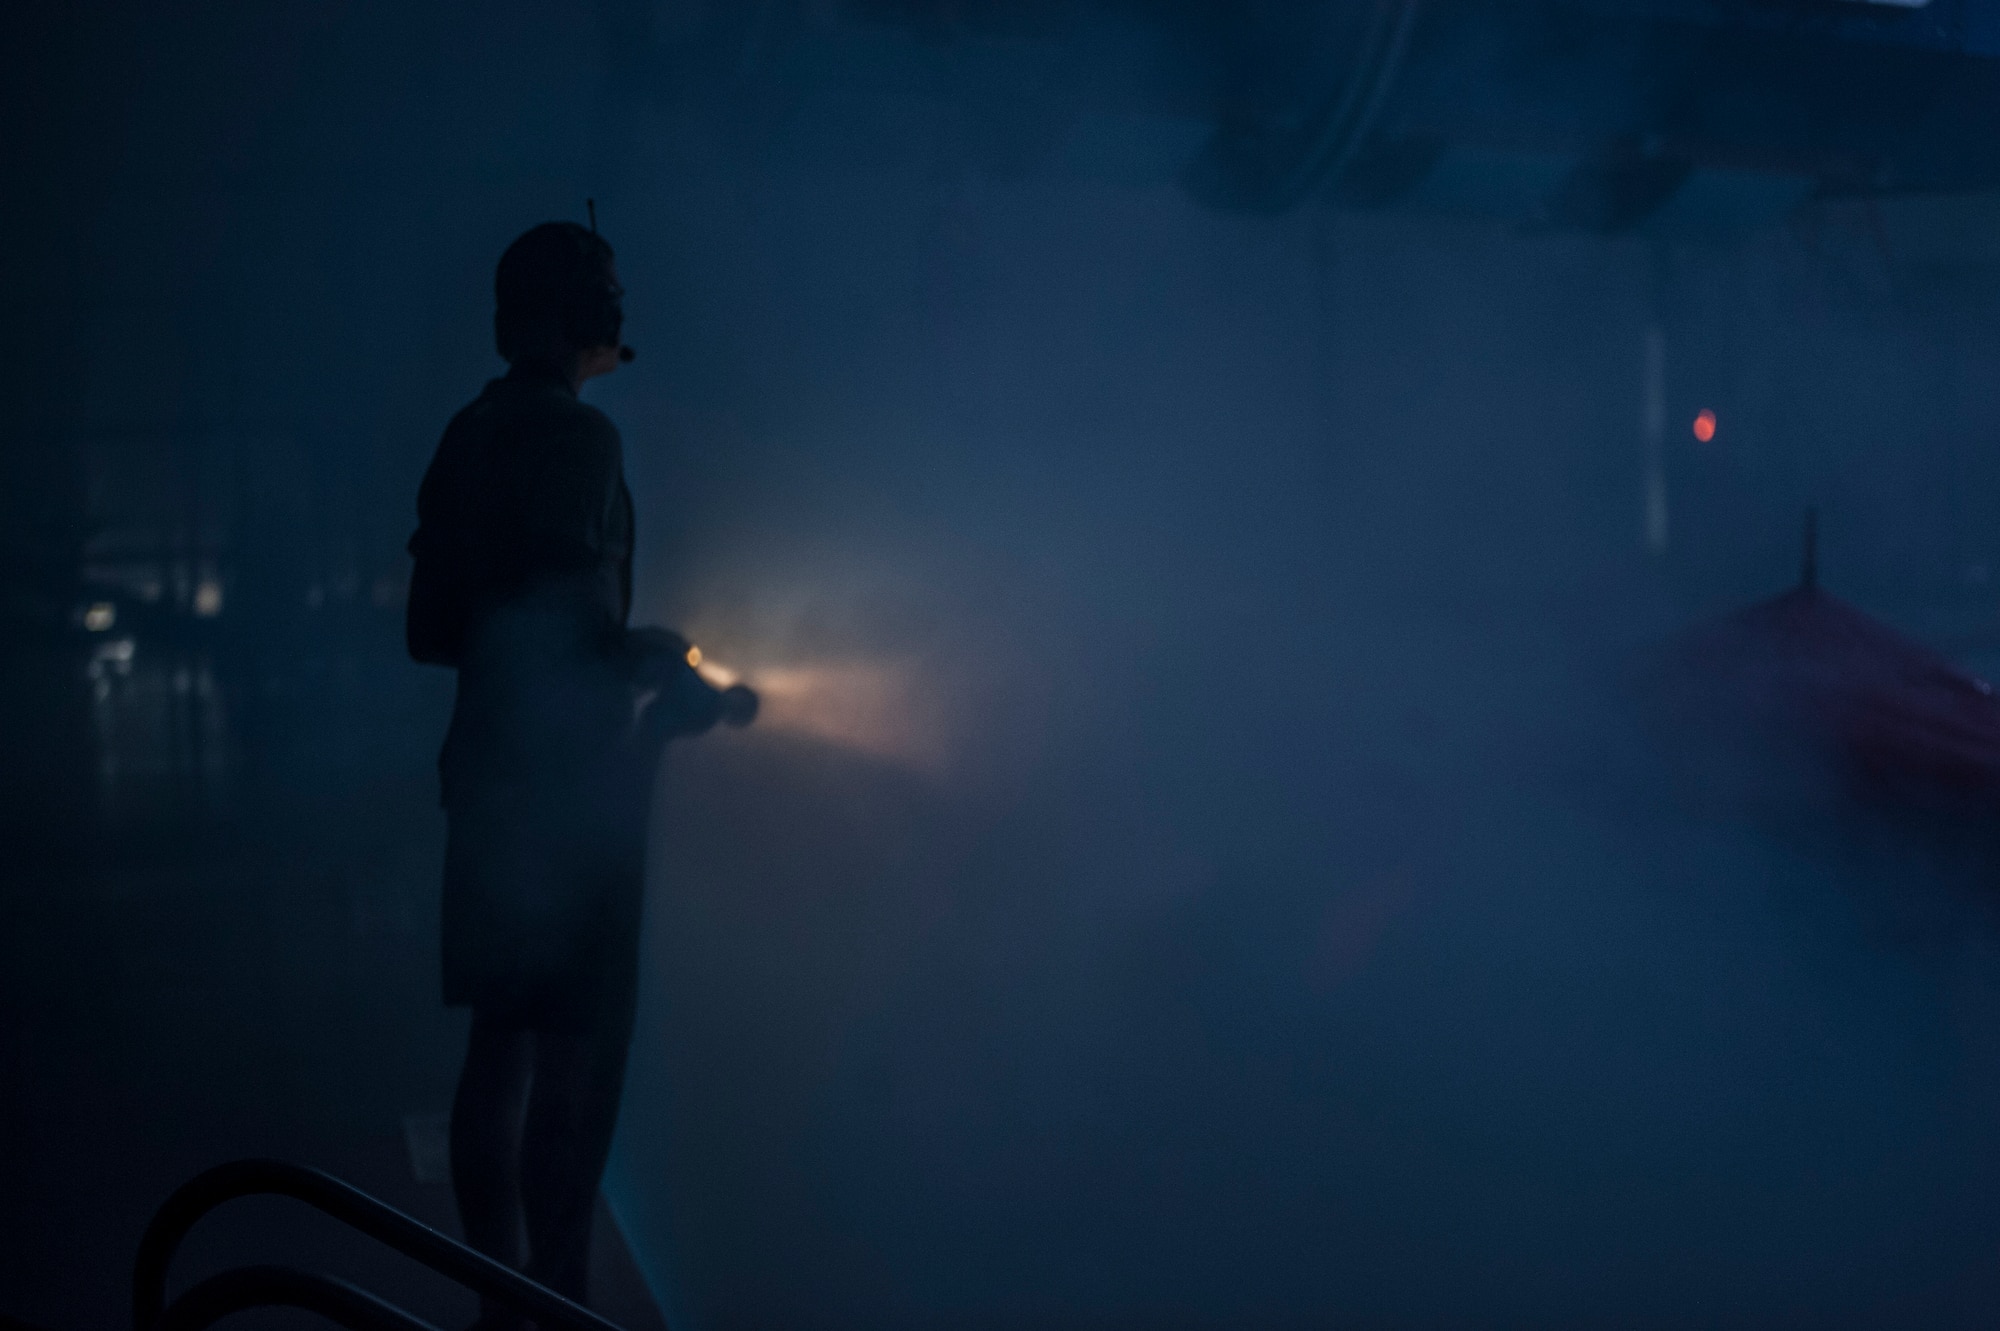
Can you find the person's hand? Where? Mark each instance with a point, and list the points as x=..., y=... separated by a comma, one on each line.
x=739, y=705
x=654, y=653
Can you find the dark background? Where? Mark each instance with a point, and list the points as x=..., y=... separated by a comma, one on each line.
x=1198, y=865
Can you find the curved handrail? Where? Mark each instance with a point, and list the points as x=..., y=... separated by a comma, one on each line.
x=249, y=1287
x=353, y=1207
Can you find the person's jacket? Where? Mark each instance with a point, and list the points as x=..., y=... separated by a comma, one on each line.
x=523, y=581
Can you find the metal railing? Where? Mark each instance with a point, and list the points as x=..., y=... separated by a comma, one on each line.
x=281, y=1287
x=266, y=1286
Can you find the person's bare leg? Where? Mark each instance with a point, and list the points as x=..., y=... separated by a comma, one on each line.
x=486, y=1144
x=572, y=1113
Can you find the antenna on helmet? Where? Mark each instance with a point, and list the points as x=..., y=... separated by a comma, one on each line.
x=625, y=353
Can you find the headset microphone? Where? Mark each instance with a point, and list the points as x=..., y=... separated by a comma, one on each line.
x=625, y=354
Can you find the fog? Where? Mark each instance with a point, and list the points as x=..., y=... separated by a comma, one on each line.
x=1201, y=860
x=1212, y=872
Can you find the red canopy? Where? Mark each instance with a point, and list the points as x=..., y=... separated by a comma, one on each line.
x=1807, y=675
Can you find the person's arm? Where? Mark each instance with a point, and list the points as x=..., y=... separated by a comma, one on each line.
x=683, y=703
x=571, y=487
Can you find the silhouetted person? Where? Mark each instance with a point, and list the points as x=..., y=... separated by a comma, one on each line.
x=523, y=581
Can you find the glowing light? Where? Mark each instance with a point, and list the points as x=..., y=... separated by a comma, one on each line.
x=694, y=657
x=113, y=657
x=874, y=707
x=100, y=617
x=208, y=598
x=1704, y=425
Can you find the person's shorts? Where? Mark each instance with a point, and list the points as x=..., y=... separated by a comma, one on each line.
x=541, y=915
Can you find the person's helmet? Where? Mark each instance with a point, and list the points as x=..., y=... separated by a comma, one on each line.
x=556, y=293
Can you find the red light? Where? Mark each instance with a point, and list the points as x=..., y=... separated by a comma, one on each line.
x=1704, y=425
